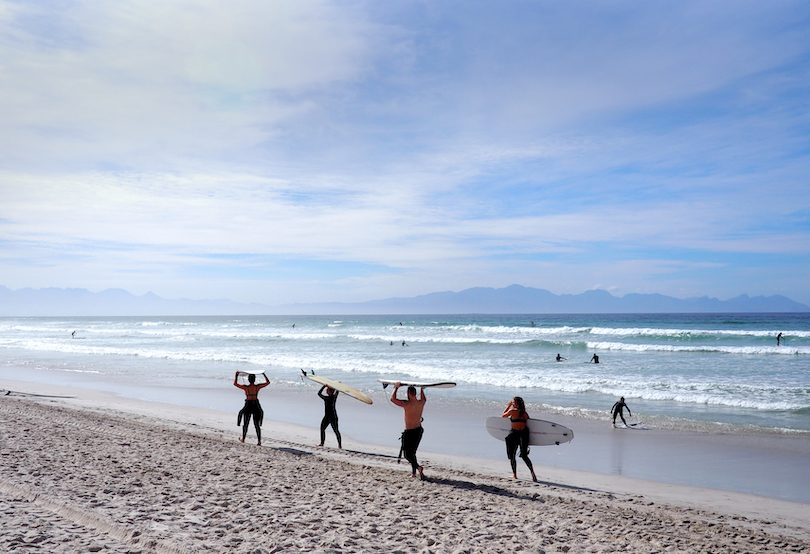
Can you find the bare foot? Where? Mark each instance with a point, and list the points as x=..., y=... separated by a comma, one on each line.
x=259, y=443
x=534, y=477
x=514, y=476
x=320, y=444
x=421, y=473
x=241, y=440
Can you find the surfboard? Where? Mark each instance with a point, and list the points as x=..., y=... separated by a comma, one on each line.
x=541, y=433
x=437, y=385
x=242, y=376
x=338, y=386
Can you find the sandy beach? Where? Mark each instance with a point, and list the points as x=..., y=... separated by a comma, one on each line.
x=99, y=473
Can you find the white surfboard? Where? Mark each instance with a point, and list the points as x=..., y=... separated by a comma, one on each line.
x=338, y=386
x=436, y=385
x=630, y=424
x=541, y=433
x=242, y=376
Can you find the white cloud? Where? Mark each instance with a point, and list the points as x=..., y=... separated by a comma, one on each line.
x=493, y=144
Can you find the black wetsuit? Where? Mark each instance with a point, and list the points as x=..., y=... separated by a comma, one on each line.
x=251, y=408
x=517, y=438
x=330, y=415
x=410, y=442
x=617, y=411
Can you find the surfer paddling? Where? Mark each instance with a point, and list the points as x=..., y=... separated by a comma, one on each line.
x=330, y=416
x=412, y=435
x=252, y=406
x=519, y=435
x=617, y=410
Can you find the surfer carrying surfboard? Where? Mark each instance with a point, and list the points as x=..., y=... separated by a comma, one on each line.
x=252, y=406
x=618, y=408
x=412, y=435
x=330, y=416
x=519, y=435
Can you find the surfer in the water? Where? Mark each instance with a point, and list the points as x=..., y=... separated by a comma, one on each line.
x=778, y=339
x=519, y=435
x=617, y=410
x=252, y=406
x=412, y=435
x=595, y=359
x=330, y=416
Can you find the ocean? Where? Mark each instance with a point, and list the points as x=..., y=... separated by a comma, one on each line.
x=718, y=372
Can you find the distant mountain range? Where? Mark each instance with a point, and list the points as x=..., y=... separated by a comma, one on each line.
x=514, y=299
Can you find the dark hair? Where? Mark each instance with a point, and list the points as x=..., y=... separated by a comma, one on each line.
x=521, y=406
x=251, y=378
x=411, y=390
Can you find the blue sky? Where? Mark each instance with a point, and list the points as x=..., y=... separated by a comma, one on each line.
x=314, y=151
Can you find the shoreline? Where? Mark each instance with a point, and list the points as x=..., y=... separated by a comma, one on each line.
x=101, y=471
x=769, y=466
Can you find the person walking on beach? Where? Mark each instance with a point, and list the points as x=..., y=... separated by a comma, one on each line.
x=617, y=410
x=519, y=435
x=252, y=406
x=412, y=435
x=330, y=416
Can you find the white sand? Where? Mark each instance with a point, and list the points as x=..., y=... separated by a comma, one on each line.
x=98, y=473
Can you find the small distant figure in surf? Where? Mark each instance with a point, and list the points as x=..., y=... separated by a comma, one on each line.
x=404, y=343
x=595, y=359
x=778, y=339
x=617, y=410
x=293, y=325
x=73, y=335
x=412, y=435
x=561, y=358
x=519, y=435
x=330, y=416
x=252, y=406
x=532, y=323
x=392, y=343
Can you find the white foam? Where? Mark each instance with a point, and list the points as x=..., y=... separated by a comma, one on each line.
x=791, y=350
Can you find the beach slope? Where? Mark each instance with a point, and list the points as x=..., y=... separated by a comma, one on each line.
x=76, y=478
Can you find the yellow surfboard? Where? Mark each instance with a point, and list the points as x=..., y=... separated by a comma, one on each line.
x=338, y=386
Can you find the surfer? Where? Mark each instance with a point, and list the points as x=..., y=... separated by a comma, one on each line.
x=617, y=410
x=73, y=335
x=560, y=358
x=519, y=435
x=330, y=416
x=778, y=339
x=595, y=359
x=412, y=435
x=252, y=406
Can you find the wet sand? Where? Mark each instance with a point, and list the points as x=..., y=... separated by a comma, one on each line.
x=100, y=473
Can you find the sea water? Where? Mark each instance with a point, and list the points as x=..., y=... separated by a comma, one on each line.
x=719, y=372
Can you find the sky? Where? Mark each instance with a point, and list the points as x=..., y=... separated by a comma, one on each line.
x=315, y=151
